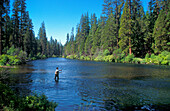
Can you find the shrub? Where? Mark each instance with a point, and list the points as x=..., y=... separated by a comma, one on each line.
x=108, y=58
x=81, y=57
x=157, y=60
x=118, y=55
x=137, y=60
x=13, y=51
x=147, y=56
x=129, y=58
x=99, y=58
x=10, y=101
x=39, y=103
x=4, y=60
x=106, y=52
x=87, y=58
x=43, y=57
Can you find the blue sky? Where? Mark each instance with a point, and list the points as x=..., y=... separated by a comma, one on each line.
x=61, y=15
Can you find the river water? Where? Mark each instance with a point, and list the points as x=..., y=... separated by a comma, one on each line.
x=89, y=85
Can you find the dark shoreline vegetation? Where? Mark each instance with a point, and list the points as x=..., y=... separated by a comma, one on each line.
x=10, y=100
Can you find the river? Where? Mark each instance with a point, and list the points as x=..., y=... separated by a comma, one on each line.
x=89, y=85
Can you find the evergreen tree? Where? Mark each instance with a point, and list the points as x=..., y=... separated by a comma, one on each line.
x=6, y=27
x=90, y=38
x=84, y=32
x=43, y=38
x=118, y=4
x=72, y=45
x=108, y=39
x=23, y=21
x=16, y=21
x=4, y=20
x=107, y=8
x=138, y=29
x=125, y=30
x=161, y=32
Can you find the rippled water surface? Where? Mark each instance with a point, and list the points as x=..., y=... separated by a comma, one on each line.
x=88, y=85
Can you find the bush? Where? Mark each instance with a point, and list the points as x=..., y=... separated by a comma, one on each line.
x=118, y=55
x=81, y=57
x=106, y=52
x=10, y=101
x=9, y=60
x=158, y=59
x=87, y=58
x=109, y=58
x=38, y=103
x=137, y=60
x=13, y=51
x=129, y=58
x=43, y=57
x=3, y=60
x=99, y=58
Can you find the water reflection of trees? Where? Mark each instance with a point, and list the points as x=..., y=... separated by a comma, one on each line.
x=20, y=80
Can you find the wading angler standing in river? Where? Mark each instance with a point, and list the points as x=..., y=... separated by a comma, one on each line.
x=57, y=73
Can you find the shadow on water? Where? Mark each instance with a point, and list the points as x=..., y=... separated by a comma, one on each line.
x=92, y=85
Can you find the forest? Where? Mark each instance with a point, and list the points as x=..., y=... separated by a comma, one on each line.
x=123, y=33
x=17, y=38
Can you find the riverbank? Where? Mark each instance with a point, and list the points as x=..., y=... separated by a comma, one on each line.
x=10, y=101
x=161, y=59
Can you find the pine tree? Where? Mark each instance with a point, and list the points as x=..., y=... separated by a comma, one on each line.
x=43, y=38
x=109, y=34
x=138, y=28
x=16, y=20
x=84, y=32
x=23, y=21
x=6, y=27
x=90, y=39
x=125, y=30
x=107, y=8
x=161, y=32
x=72, y=45
x=1, y=24
x=118, y=4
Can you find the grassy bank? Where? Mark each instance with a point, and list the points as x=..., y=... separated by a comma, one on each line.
x=118, y=57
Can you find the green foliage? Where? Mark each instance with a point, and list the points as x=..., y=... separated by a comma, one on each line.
x=99, y=58
x=129, y=58
x=118, y=55
x=81, y=57
x=10, y=101
x=13, y=51
x=125, y=29
x=109, y=58
x=138, y=60
x=88, y=58
x=161, y=59
x=7, y=60
x=106, y=52
x=128, y=32
x=39, y=103
x=160, y=32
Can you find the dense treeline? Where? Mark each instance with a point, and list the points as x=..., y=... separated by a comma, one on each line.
x=16, y=30
x=124, y=30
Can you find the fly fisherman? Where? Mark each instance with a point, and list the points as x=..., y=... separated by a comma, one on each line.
x=57, y=73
